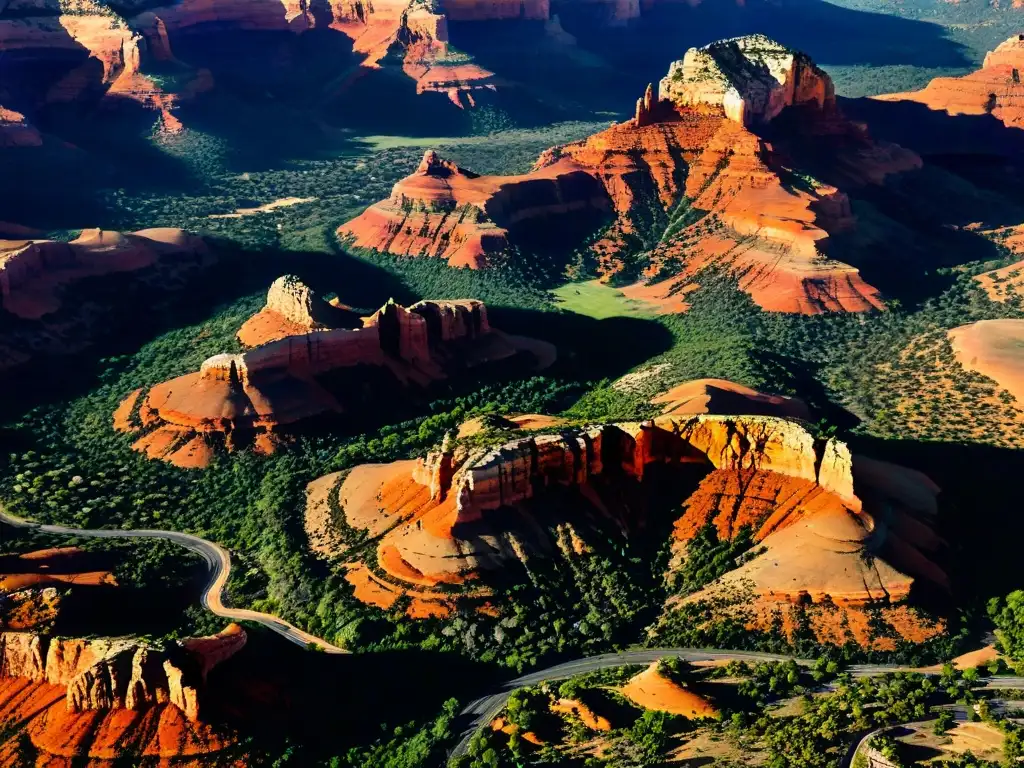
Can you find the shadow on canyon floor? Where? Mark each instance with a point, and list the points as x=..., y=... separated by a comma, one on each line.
x=980, y=503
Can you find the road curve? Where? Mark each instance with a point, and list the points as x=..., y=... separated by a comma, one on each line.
x=217, y=559
x=483, y=710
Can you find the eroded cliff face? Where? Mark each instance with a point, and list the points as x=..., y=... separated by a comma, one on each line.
x=88, y=701
x=108, y=674
x=447, y=212
x=249, y=399
x=445, y=518
x=994, y=90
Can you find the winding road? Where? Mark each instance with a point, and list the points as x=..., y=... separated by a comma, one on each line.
x=217, y=559
x=484, y=709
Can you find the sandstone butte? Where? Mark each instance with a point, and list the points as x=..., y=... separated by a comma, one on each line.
x=995, y=89
x=33, y=272
x=86, y=700
x=846, y=531
x=995, y=349
x=250, y=399
x=696, y=150
x=653, y=690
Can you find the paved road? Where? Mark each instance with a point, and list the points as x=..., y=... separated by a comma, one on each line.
x=486, y=708
x=217, y=559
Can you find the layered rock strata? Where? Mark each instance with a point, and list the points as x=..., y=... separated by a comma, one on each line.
x=107, y=674
x=994, y=90
x=78, y=701
x=447, y=212
x=249, y=399
x=445, y=518
x=723, y=195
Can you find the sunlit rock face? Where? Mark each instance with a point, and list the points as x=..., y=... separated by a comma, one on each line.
x=752, y=79
x=994, y=90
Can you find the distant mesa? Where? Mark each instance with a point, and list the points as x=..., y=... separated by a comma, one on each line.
x=993, y=348
x=298, y=345
x=87, y=698
x=729, y=197
x=34, y=272
x=995, y=89
x=443, y=522
x=447, y=212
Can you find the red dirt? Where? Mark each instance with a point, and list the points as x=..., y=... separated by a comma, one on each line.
x=726, y=397
x=651, y=690
x=993, y=348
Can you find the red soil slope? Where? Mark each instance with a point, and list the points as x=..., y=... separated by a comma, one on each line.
x=726, y=397
x=993, y=348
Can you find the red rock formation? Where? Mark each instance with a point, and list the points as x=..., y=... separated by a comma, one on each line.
x=731, y=200
x=248, y=398
x=767, y=472
x=751, y=79
x=292, y=309
x=32, y=272
x=444, y=211
x=95, y=699
x=995, y=89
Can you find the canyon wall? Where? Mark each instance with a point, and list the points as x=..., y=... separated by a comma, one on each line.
x=107, y=674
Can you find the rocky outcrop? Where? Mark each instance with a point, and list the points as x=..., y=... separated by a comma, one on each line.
x=34, y=272
x=451, y=514
x=293, y=309
x=249, y=399
x=447, y=212
x=994, y=90
x=108, y=674
x=751, y=79
x=16, y=131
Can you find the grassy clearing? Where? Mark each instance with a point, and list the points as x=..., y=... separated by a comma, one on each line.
x=599, y=301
